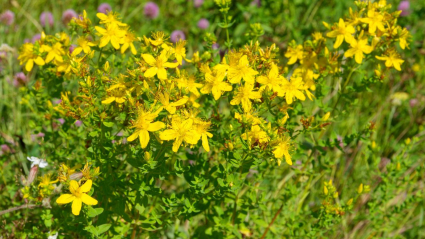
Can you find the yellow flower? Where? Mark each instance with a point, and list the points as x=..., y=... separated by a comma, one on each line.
x=55, y=52
x=180, y=51
x=112, y=34
x=294, y=54
x=159, y=39
x=118, y=93
x=180, y=131
x=171, y=107
x=78, y=196
x=64, y=173
x=45, y=180
x=158, y=65
x=144, y=125
x=201, y=129
x=358, y=47
x=83, y=45
x=87, y=174
x=342, y=32
x=241, y=70
x=292, y=89
x=215, y=84
x=28, y=55
x=256, y=134
x=404, y=36
x=282, y=150
x=392, y=59
x=110, y=19
x=249, y=118
x=375, y=20
x=82, y=20
x=26, y=192
x=189, y=84
x=244, y=95
x=127, y=41
x=273, y=80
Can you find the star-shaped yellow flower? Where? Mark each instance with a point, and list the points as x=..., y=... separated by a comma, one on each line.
x=78, y=196
x=392, y=59
x=158, y=65
x=342, y=32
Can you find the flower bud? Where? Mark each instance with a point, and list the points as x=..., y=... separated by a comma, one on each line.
x=147, y=156
x=32, y=175
x=76, y=176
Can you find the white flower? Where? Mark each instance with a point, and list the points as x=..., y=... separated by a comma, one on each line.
x=53, y=236
x=36, y=161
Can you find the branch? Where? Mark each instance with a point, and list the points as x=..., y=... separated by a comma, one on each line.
x=27, y=206
x=271, y=223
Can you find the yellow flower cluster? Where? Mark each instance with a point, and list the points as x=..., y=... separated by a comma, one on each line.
x=165, y=101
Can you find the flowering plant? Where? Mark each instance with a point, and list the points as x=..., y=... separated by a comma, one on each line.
x=167, y=137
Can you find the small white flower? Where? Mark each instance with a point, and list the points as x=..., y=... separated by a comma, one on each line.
x=36, y=161
x=53, y=236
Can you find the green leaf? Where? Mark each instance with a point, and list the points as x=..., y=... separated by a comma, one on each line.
x=102, y=228
x=108, y=124
x=94, y=212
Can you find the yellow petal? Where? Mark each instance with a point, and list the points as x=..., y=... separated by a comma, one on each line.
x=205, y=143
x=168, y=134
x=133, y=136
x=76, y=206
x=65, y=198
x=162, y=73
x=39, y=61
x=73, y=186
x=171, y=64
x=176, y=145
x=29, y=65
x=149, y=59
x=144, y=138
x=101, y=16
x=86, y=186
x=156, y=126
x=108, y=100
x=151, y=72
x=88, y=200
x=115, y=41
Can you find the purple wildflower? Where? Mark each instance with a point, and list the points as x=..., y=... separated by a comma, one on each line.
x=203, y=24
x=215, y=46
x=78, y=123
x=56, y=101
x=46, y=18
x=20, y=79
x=104, y=8
x=198, y=3
x=71, y=48
x=256, y=3
x=68, y=15
x=36, y=37
x=413, y=102
x=177, y=35
x=61, y=121
x=151, y=10
x=5, y=149
x=404, y=8
x=7, y=17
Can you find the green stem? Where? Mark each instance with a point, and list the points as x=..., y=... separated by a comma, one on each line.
x=343, y=89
